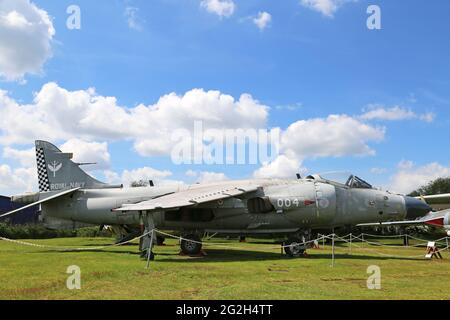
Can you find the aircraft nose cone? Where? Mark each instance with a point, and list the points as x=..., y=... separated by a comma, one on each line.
x=416, y=208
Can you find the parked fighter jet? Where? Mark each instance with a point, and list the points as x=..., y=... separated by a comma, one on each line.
x=292, y=208
x=438, y=219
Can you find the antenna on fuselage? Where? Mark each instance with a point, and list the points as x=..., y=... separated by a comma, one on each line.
x=86, y=163
x=298, y=176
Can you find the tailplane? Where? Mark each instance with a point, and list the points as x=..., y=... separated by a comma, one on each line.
x=56, y=170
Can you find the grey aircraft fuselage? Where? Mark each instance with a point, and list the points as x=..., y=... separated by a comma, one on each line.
x=292, y=205
x=268, y=206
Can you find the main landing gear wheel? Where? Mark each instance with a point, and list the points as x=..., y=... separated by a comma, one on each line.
x=295, y=248
x=191, y=247
x=160, y=241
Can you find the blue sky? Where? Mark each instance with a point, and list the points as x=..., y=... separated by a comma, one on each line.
x=303, y=65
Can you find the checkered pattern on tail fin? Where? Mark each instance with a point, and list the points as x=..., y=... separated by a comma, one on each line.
x=44, y=183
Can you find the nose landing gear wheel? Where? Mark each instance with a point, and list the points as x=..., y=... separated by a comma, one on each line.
x=191, y=247
x=295, y=248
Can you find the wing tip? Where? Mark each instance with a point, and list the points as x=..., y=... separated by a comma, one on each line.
x=435, y=222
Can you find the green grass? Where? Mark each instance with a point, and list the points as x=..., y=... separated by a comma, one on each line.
x=253, y=270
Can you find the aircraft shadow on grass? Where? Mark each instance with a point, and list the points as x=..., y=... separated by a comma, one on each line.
x=233, y=255
x=238, y=255
x=220, y=255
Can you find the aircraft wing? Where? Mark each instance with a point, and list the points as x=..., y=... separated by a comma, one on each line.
x=391, y=223
x=436, y=199
x=48, y=198
x=436, y=219
x=190, y=197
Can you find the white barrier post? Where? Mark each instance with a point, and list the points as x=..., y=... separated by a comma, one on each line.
x=149, y=252
x=332, y=249
x=350, y=243
x=446, y=243
x=405, y=240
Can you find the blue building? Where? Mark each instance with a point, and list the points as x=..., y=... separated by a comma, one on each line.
x=28, y=216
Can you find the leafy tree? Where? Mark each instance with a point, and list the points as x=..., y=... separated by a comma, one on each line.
x=438, y=186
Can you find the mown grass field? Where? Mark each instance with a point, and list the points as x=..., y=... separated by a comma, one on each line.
x=252, y=270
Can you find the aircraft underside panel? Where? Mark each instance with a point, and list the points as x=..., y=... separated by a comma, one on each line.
x=61, y=224
x=225, y=219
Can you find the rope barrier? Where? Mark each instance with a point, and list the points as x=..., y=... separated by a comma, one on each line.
x=407, y=257
x=228, y=246
x=65, y=248
x=383, y=236
x=388, y=245
x=424, y=241
x=380, y=253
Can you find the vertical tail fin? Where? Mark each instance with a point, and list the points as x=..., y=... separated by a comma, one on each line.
x=56, y=170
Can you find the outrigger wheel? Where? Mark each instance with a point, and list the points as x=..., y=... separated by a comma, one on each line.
x=144, y=255
x=294, y=247
x=191, y=247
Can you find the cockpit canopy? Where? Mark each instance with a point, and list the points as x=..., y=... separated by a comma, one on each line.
x=357, y=183
x=343, y=178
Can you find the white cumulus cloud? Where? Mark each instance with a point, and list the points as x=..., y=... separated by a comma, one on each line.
x=206, y=176
x=15, y=181
x=145, y=173
x=395, y=113
x=377, y=170
x=281, y=167
x=134, y=21
x=26, y=34
x=88, y=152
x=26, y=158
x=222, y=8
x=409, y=177
x=82, y=118
x=262, y=20
x=326, y=7
x=160, y=177
x=334, y=136
x=57, y=114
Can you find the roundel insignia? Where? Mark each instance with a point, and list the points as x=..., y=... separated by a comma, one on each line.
x=324, y=203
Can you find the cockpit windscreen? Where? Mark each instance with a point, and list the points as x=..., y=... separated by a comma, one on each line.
x=357, y=183
x=346, y=179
